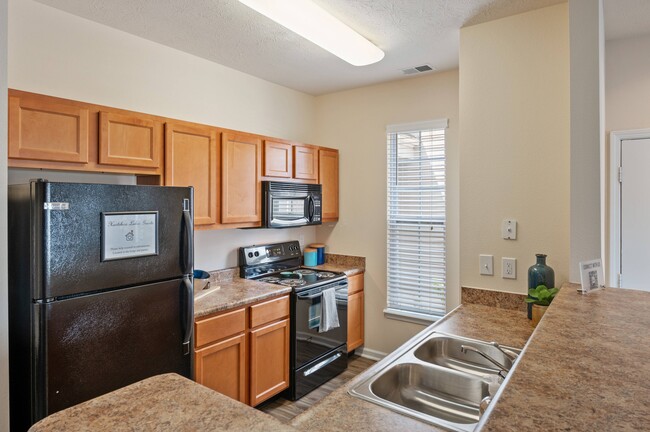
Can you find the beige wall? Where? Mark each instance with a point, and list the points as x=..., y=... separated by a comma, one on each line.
x=59, y=54
x=627, y=84
x=514, y=141
x=355, y=122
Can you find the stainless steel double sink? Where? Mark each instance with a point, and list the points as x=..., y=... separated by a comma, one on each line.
x=440, y=379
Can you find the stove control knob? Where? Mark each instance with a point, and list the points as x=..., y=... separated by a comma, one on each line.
x=250, y=254
x=257, y=254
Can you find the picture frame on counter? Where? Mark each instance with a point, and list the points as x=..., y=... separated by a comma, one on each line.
x=591, y=276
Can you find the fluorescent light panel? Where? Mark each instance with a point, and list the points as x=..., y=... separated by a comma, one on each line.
x=318, y=26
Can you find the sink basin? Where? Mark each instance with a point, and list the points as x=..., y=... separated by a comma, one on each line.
x=431, y=379
x=436, y=392
x=445, y=351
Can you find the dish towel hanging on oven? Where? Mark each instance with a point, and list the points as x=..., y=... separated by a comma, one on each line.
x=329, y=317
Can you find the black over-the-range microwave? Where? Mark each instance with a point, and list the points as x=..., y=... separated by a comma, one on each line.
x=286, y=205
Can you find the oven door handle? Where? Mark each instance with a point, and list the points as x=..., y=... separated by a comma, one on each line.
x=309, y=297
x=322, y=364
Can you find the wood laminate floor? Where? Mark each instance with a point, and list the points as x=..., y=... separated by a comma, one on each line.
x=285, y=410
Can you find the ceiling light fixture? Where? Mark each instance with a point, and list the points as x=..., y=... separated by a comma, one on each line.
x=318, y=26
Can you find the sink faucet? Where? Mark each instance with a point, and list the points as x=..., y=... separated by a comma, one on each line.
x=512, y=356
x=503, y=369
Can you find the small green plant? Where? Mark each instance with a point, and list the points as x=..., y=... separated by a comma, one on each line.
x=541, y=295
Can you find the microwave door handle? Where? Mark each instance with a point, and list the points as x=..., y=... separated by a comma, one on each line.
x=311, y=208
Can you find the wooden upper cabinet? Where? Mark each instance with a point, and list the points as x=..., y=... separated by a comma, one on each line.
x=129, y=140
x=47, y=130
x=191, y=159
x=241, y=187
x=328, y=166
x=305, y=162
x=278, y=159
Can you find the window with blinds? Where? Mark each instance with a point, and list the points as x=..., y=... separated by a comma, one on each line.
x=416, y=220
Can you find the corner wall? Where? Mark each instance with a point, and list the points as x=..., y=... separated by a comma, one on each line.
x=355, y=122
x=514, y=139
x=627, y=87
x=4, y=312
x=59, y=54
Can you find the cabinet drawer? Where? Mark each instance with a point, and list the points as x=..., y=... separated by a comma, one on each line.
x=269, y=311
x=219, y=327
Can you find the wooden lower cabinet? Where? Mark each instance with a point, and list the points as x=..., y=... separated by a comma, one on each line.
x=269, y=361
x=244, y=353
x=222, y=367
x=355, y=311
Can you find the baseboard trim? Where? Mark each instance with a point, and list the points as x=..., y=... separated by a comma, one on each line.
x=370, y=353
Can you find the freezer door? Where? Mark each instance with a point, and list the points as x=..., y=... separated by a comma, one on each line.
x=98, y=343
x=84, y=227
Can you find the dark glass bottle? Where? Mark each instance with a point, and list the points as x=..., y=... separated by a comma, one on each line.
x=539, y=274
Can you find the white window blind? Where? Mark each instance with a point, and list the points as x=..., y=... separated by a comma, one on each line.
x=416, y=220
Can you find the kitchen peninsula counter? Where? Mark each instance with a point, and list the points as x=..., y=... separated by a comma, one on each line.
x=340, y=411
x=162, y=403
x=585, y=368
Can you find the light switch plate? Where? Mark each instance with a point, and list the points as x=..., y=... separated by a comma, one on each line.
x=509, y=268
x=509, y=229
x=487, y=264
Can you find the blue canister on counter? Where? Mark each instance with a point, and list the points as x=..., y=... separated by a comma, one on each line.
x=320, y=252
x=310, y=257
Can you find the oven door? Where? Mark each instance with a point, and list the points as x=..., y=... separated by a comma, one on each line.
x=310, y=342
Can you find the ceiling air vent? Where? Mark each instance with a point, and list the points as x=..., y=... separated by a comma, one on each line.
x=417, y=69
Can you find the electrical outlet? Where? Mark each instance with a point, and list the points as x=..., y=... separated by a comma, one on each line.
x=486, y=263
x=509, y=268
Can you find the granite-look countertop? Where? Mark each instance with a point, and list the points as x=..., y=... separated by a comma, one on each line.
x=586, y=367
x=162, y=403
x=348, y=264
x=232, y=293
x=340, y=411
x=348, y=270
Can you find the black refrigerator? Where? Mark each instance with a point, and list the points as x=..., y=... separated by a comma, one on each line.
x=100, y=291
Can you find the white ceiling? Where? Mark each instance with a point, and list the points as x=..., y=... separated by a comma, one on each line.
x=626, y=18
x=411, y=33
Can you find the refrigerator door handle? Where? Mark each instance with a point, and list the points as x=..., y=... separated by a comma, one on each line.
x=189, y=317
x=188, y=252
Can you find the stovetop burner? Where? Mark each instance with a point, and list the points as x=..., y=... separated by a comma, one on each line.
x=325, y=275
x=304, y=271
x=293, y=283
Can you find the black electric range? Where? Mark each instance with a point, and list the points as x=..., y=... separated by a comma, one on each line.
x=317, y=354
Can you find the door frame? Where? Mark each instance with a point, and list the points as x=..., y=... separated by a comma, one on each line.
x=616, y=139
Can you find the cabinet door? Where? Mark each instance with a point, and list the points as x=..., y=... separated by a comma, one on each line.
x=278, y=160
x=42, y=129
x=222, y=367
x=355, y=311
x=240, y=178
x=328, y=165
x=129, y=140
x=305, y=162
x=269, y=361
x=355, y=320
x=191, y=157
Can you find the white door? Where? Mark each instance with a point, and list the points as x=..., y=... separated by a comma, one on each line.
x=635, y=214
